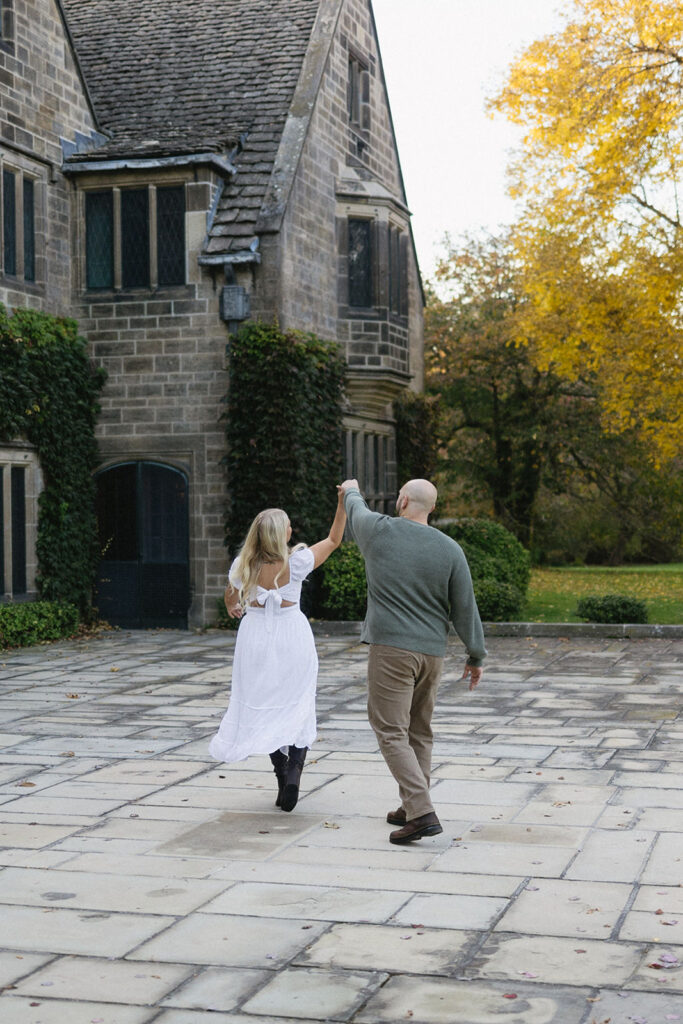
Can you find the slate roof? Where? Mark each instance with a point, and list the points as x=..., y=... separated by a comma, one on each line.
x=177, y=77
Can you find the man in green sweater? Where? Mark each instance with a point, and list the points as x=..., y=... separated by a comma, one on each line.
x=418, y=583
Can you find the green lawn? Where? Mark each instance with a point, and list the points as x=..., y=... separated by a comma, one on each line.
x=553, y=593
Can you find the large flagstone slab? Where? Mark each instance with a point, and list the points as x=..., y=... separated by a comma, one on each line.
x=17, y=1010
x=559, y=907
x=217, y=988
x=396, y=949
x=57, y=930
x=551, y=960
x=307, y=901
x=660, y=969
x=132, y=894
x=231, y=941
x=33, y=836
x=560, y=812
x=89, y=979
x=444, y=1001
x=629, y=1006
x=500, y=858
x=240, y=835
x=13, y=967
x=453, y=911
x=666, y=863
x=314, y=995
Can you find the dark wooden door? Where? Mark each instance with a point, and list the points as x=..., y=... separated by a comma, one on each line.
x=142, y=513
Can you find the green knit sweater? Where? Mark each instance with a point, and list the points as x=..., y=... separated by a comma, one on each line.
x=418, y=583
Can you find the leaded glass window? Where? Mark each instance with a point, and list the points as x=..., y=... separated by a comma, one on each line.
x=360, y=263
x=9, y=222
x=99, y=239
x=29, y=231
x=171, y=235
x=135, y=238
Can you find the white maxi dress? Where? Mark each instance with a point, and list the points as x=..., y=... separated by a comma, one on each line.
x=274, y=674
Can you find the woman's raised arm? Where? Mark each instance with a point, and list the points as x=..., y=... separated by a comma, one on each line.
x=324, y=548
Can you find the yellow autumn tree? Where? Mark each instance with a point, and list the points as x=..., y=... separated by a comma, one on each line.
x=601, y=236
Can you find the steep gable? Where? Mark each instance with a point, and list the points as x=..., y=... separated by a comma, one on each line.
x=192, y=77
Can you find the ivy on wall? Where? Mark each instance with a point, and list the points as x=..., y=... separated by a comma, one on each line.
x=48, y=395
x=284, y=430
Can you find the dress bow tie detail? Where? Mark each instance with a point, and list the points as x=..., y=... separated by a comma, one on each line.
x=271, y=600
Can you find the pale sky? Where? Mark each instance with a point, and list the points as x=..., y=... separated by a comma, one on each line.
x=441, y=59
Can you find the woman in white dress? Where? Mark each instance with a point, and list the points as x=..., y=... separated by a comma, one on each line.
x=275, y=667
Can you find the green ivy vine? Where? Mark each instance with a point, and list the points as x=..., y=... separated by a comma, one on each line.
x=284, y=429
x=48, y=395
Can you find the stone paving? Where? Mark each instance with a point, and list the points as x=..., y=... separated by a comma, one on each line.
x=141, y=882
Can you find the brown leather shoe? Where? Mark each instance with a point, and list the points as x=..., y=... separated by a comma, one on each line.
x=397, y=817
x=425, y=825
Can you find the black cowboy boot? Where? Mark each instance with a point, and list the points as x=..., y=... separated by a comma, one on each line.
x=279, y=762
x=290, y=794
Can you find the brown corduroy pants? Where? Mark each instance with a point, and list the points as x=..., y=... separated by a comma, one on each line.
x=402, y=688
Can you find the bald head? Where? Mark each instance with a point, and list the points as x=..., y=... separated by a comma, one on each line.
x=416, y=500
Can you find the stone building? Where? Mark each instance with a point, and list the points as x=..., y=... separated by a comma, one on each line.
x=169, y=170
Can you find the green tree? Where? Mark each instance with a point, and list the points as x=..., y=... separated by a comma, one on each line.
x=528, y=443
x=500, y=414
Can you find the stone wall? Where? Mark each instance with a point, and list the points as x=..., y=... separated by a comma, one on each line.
x=164, y=351
x=42, y=98
x=338, y=160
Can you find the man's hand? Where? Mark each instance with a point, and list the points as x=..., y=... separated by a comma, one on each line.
x=347, y=485
x=475, y=673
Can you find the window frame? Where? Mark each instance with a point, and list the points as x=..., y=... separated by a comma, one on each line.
x=397, y=270
x=358, y=92
x=369, y=223
x=21, y=245
x=370, y=457
x=121, y=239
x=18, y=580
x=6, y=26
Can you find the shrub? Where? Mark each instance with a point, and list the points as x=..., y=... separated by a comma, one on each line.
x=498, y=602
x=491, y=551
x=343, y=584
x=614, y=608
x=33, y=622
x=283, y=429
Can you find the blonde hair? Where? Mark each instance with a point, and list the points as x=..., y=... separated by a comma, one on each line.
x=265, y=543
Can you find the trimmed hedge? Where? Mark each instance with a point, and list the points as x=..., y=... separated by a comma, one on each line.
x=612, y=608
x=498, y=602
x=284, y=430
x=492, y=551
x=500, y=573
x=48, y=394
x=34, y=622
x=344, y=586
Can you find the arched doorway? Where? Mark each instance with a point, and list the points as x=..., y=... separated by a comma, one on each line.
x=142, y=515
